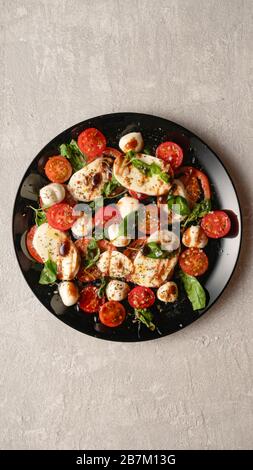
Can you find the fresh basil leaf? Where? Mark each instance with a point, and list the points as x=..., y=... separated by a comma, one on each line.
x=72, y=152
x=194, y=291
x=130, y=154
x=181, y=204
x=40, y=216
x=150, y=169
x=200, y=210
x=102, y=287
x=93, y=253
x=147, y=151
x=154, y=250
x=146, y=317
x=110, y=186
x=49, y=273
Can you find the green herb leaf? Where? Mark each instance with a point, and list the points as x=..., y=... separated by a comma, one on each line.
x=40, y=216
x=72, y=152
x=110, y=186
x=93, y=253
x=149, y=169
x=49, y=272
x=146, y=317
x=147, y=151
x=194, y=291
x=102, y=287
x=200, y=210
x=181, y=203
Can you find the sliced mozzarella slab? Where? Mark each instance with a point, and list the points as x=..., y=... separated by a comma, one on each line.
x=68, y=292
x=168, y=292
x=150, y=272
x=131, y=141
x=51, y=194
x=88, y=183
x=114, y=264
x=132, y=178
x=169, y=240
x=117, y=290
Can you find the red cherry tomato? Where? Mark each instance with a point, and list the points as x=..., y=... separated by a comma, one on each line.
x=141, y=297
x=105, y=214
x=170, y=152
x=29, y=243
x=58, y=169
x=139, y=196
x=216, y=224
x=196, y=183
x=112, y=313
x=193, y=262
x=91, y=142
x=111, y=152
x=89, y=301
x=61, y=216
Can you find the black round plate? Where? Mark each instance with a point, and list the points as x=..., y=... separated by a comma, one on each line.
x=222, y=254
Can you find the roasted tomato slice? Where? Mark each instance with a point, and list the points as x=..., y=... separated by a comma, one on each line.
x=91, y=142
x=61, y=216
x=112, y=313
x=29, y=244
x=193, y=262
x=58, y=169
x=89, y=300
x=196, y=183
x=141, y=297
x=170, y=152
x=216, y=224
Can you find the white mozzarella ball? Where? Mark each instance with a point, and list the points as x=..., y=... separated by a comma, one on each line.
x=82, y=226
x=116, y=240
x=168, y=292
x=131, y=141
x=195, y=237
x=117, y=290
x=51, y=194
x=126, y=205
x=169, y=240
x=68, y=293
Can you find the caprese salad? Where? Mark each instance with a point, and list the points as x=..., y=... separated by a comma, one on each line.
x=120, y=260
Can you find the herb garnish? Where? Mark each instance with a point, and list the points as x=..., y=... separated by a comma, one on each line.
x=154, y=250
x=194, y=291
x=180, y=205
x=40, y=215
x=146, y=168
x=72, y=152
x=145, y=316
x=93, y=253
x=110, y=186
x=200, y=210
x=49, y=272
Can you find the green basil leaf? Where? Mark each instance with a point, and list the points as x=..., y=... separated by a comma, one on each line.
x=72, y=152
x=148, y=169
x=110, y=186
x=146, y=317
x=147, y=151
x=181, y=203
x=40, y=216
x=200, y=210
x=194, y=291
x=93, y=253
x=102, y=287
x=49, y=272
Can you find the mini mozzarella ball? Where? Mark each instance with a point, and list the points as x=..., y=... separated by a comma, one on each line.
x=168, y=292
x=131, y=141
x=169, y=240
x=195, y=237
x=126, y=205
x=68, y=292
x=82, y=226
x=51, y=194
x=117, y=290
x=115, y=239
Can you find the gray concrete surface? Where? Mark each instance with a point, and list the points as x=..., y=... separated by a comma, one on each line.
x=65, y=61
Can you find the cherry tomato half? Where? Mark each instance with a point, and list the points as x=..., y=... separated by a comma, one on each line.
x=91, y=142
x=29, y=243
x=216, y=224
x=193, y=262
x=58, y=169
x=141, y=297
x=89, y=301
x=195, y=182
x=61, y=216
x=112, y=313
x=170, y=152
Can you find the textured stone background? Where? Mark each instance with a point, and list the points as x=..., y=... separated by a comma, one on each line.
x=65, y=61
